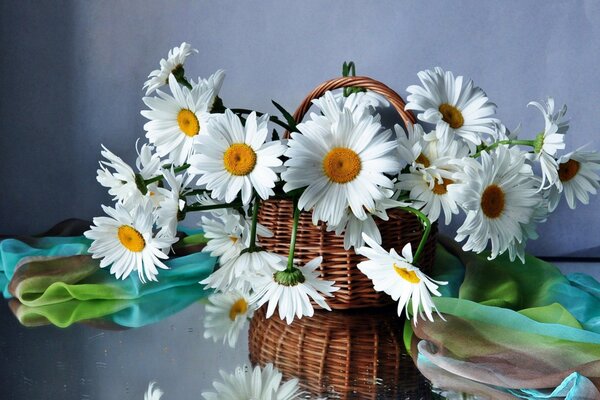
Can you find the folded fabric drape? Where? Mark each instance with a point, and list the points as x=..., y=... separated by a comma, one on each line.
x=512, y=326
x=54, y=280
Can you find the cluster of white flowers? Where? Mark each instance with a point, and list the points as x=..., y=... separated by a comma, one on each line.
x=342, y=165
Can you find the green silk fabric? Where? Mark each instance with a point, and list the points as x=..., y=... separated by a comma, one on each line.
x=510, y=325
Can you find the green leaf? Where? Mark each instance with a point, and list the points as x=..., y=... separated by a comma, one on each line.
x=288, y=117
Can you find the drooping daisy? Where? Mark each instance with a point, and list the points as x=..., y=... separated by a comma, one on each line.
x=254, y=384
x=171, y=204
x=397, y=276
x=214, y=83
x=558, y=117
x=177, y=120
x=456, y=108
x=120, y=179
x=499, y=196
x=548, y=143
x=171, y=65
x=340, y=167
x=358, y=104
x=353, y=228
x=125, y=241
x=235, y=158
x=516, y=248
x=577, y=178
x=226, y=315
x=228, y=237
x=291, y=291
x=153, y=393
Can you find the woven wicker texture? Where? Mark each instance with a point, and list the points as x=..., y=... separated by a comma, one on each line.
x=354, y=354
x=339, y=265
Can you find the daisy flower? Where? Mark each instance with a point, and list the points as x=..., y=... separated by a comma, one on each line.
x=214, y=83
x=227, y=236
x=455, y=107
x=292, y=290
x=430, y=178
x=171, y=65
x=153, y=393
x=341, y=166
x=499, y=196
x=359, y=104
x=353, y=228
x=125, y=241
x=177, y=120
x=171, y=204
x=549, y=142
x=226, y=316
x=254, y=384
x=235, y=158
x=120, y=179
x=577, y=178
x=397, y=276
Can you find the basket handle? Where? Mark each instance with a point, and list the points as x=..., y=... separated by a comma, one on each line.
x=357, y=81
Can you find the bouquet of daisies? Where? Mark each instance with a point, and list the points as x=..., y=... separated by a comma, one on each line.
x=342, y=165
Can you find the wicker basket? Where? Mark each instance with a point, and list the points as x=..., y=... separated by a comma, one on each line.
x=353, y=354
x=339, y=265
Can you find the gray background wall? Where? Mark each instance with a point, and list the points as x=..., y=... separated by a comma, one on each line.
x=72, y=72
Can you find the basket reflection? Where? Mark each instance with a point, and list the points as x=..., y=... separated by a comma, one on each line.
x=355, y=354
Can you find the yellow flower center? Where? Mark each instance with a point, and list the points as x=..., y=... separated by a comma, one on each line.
x=239, y=307
x=239, y=159
x=442, y=188
x=409, y=276
x=452, y=115
x=131, y=238
x=188, y=123
x=568, y=170
x=492, y=201
x=341, y=165
x=422, y=159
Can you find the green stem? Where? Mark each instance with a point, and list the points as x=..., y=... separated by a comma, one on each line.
x=255, y=208
x=290, y=262
x=200, y=207
x=272, y=118
x=427, y=223
x=509, y=141
x=160, y=177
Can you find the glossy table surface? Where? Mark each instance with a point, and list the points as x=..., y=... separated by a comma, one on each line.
x=90, y=361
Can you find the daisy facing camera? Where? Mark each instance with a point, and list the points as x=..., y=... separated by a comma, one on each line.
x=353, y=143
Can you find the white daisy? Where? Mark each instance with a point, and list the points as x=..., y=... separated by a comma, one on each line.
x=235, y=158
x=214, y=83
x=174, y=62
x=549, y=142
x=410, y=144
x=125, y=241
x=153, y=393
x=499, y=195
x=341, y=166
x=120, y=179
x=456, y=108
x=257, y=384
x=397, y=276
x=227, y=236
x=358, y=104
x=577, y=178
x=516, y=248
x=171, y=204
x=353, y=228
x=226, y=315
x=177, y=120
x=149, y=166
x=558, y=117
x=291, y=291
x=431, y=177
